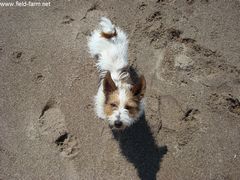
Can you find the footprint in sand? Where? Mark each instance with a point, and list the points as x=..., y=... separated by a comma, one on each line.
x=52, y=127
x=67, y=20
x=16, y=57
x=38, y=78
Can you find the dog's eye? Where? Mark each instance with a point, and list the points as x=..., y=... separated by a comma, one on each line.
x=113, y=105
x=128, y=107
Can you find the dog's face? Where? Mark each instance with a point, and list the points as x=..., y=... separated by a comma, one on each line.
x=123, y=105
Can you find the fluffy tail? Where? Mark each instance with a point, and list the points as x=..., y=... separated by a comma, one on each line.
x=98, y=40
x=109, y=44
x=108, y=29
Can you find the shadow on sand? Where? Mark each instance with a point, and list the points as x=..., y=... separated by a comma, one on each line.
x=138, y=146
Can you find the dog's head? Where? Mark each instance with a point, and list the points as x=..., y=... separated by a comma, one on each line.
x=123, y=105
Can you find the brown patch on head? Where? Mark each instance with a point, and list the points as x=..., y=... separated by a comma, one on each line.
x=108, y=85
x=111, y=103
x=139, y=88
x=132, y=104
x=111, y=94
x=109, y=35
x=133, y=96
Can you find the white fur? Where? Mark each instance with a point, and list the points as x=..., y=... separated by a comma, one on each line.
x=112, y=53
x=112, y=57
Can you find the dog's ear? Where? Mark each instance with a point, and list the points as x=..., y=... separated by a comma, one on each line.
x=139, y=88
x=108, y=84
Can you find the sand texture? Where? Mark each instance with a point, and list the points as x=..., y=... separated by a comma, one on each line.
x=189, y=52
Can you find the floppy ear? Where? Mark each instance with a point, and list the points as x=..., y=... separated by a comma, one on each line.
x=108, y=84
x=139, y=88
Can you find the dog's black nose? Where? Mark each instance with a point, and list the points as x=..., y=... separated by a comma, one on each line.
x=118, y=124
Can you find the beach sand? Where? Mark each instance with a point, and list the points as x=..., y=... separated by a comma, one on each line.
x=189, y=53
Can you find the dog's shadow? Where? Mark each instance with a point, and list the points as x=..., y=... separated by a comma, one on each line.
x=139, y=147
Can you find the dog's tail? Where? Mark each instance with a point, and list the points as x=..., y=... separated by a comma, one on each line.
x=108, y=29
x=109, y=45
x=101, y=37
x=106, y=37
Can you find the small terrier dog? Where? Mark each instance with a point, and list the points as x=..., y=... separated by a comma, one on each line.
x=119, y=99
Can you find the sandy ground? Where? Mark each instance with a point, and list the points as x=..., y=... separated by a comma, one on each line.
x=188, y=51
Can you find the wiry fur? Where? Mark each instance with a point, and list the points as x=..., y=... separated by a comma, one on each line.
x=110, y=45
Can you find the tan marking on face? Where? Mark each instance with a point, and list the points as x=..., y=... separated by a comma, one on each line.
x=132, y=104
x=112, y=103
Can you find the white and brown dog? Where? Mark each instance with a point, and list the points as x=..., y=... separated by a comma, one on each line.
x=119, y=99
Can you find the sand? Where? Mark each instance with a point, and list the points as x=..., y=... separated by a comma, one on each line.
x=189, y=54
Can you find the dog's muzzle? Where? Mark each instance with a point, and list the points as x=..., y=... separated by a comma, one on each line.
x=118, y=124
